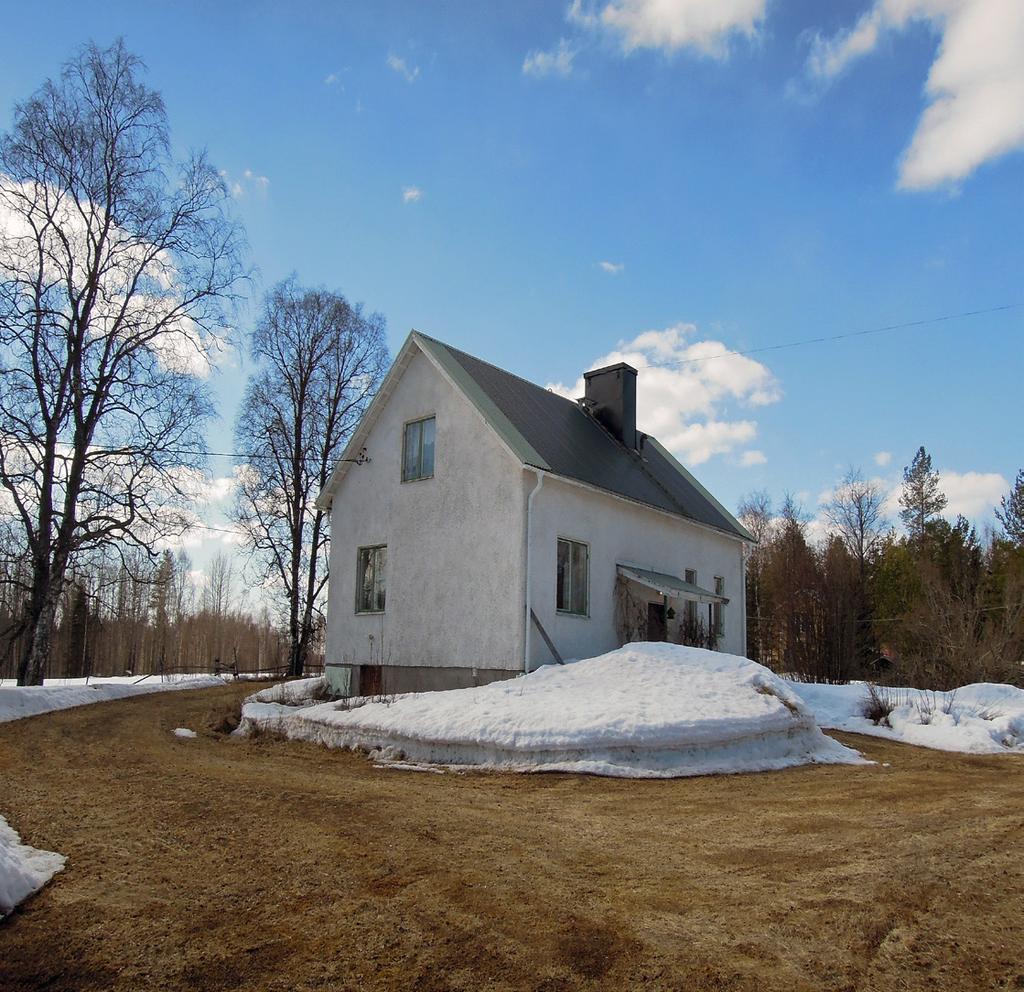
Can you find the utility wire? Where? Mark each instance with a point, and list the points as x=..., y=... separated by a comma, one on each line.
x=836, y=337
x=710, y=358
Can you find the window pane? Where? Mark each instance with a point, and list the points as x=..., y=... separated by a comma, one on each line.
x=562, y=594
x=410, y=468
x=691, y=605
x=370, y=586
x=381, y=557
x=427, y=449
x=365, y=588
x=579, y=578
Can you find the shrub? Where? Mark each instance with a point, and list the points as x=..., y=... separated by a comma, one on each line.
x=878, y=704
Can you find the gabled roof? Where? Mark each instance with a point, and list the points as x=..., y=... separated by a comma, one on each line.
x=547, y=431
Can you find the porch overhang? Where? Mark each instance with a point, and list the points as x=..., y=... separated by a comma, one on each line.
x=669, y=585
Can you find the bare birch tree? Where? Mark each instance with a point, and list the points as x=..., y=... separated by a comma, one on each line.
x=856, y=513
x=319, y=360
x=115, y=267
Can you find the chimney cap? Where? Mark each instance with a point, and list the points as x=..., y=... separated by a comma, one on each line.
x=610, y=368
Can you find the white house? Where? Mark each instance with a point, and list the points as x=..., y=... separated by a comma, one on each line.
x=482, y=525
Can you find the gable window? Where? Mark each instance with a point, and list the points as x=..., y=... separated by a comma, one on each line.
x=573, y=577
x=718, y=610
x=418, y=450
x=370, y=579
x=691, y=604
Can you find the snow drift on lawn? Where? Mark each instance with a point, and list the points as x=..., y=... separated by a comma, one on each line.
x=644, y=711
x=23, y=869
x=17, y=702
x=984, y=718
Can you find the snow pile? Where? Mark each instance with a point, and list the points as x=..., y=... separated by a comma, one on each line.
x=644, y=711
x=297, y=693
x=23, y=869
x=984, y=718
x=184, y=732
x=17, y=702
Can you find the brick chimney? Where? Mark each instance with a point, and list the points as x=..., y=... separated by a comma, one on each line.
x=611, y=399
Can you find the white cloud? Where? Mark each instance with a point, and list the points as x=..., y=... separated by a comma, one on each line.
x=247, y=182
x=556, y=62
x=686, y=390
x=411, y=194
x=138, y=285
x=752, y=457
x=974, y=494
x=975, y=87
x=612, y=268
x=704, y=25
x=330, y=79
x=399, y=65
x=882, y=458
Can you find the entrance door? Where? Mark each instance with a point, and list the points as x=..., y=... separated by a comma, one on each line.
x=657, y=628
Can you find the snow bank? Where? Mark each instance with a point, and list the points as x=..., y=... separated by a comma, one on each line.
x=292, y=693
x=644, y=711
x=23, y=869
x=17, y=702
x=984, y=718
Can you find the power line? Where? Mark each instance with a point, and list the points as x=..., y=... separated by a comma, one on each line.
x=705, y=358
x=836, y=337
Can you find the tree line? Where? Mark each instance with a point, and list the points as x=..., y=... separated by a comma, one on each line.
x=121, y=278
x=143, y=616
x=936, y=605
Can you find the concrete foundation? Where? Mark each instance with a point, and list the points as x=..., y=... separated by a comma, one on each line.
x=386, y=680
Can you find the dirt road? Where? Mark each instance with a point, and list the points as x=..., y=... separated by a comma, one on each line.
x=223, y=864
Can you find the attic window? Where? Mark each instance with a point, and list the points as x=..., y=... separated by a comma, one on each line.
x=418, y=450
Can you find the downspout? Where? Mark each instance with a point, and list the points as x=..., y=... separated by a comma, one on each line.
x=529, y=571
x=743, y=601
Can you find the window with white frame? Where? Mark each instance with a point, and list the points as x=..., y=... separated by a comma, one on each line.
x=573, y=577
x=691, y=604
x=718, y=611
x=370, y=579
x=418, y=450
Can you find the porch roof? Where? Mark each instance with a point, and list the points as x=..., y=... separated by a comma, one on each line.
x=669, y=585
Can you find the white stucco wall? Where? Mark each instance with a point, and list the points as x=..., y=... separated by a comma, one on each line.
x=620, y=531
x=455, y=542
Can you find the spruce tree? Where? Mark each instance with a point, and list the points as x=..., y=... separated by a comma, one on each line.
x=921, y=499
x=1011, y=511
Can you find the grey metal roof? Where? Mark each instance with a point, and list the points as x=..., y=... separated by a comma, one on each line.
x=553, y=433
x=670, y=585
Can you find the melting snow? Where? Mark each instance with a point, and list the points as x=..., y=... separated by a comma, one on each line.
x=17, y=702
x=984, y=718
x=644, y=711
x=23, y=869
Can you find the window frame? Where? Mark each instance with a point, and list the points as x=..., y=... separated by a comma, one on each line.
x=585, y=615
x=359, y=579
x=718, y=612
x=692, y=613
x=405, y=447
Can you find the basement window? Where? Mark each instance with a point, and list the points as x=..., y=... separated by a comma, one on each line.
x=418, y=450
x=370, y=579
x=573, y=577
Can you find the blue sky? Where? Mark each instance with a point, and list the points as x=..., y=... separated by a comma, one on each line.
x=763, y=171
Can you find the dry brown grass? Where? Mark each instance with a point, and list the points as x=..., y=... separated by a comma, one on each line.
x=224, y=864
